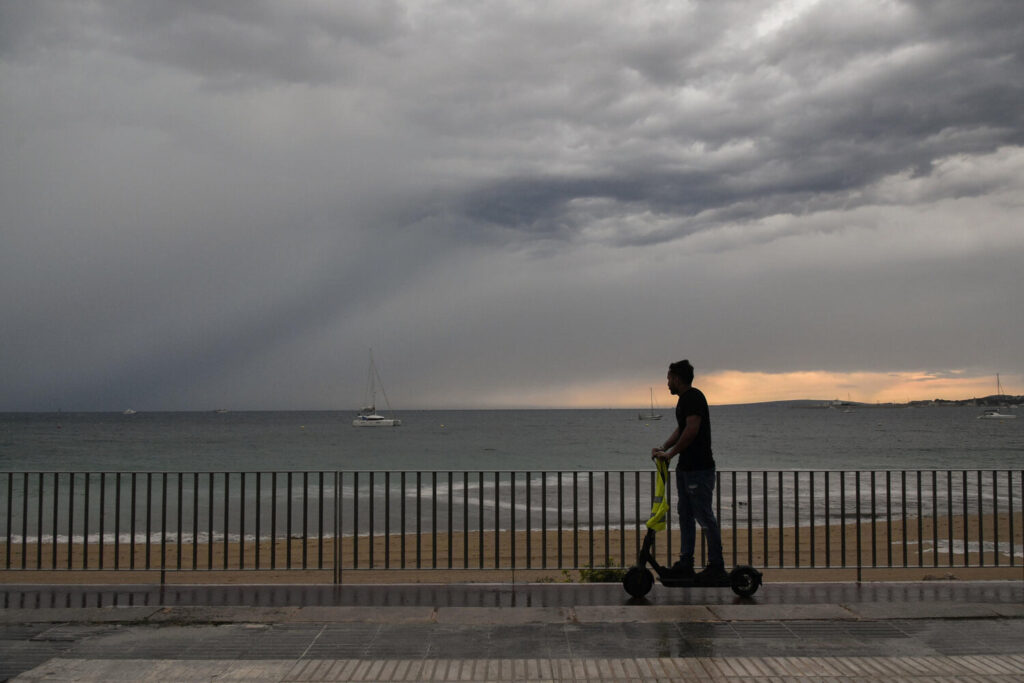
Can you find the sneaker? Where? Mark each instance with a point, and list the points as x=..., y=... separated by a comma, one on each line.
x=711, y=575
x=682, y=570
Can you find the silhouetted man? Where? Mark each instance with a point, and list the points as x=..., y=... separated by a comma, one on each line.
x=695, y=475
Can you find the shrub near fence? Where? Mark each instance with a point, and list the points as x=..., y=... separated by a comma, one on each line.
x=338, y=521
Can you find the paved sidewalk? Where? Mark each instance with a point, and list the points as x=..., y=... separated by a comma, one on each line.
x=926, y=631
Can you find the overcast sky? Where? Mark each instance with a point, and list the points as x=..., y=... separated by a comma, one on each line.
x=227, y=204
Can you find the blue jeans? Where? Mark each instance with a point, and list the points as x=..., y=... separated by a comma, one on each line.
x=695, y=490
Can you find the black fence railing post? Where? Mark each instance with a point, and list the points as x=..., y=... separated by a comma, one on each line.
x=337, y=528
x=858, y=512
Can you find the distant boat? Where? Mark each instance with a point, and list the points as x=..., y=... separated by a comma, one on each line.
x=993, y=413
x=128, y=412
x=652, y=415
x=221, y=411
x=367, y=416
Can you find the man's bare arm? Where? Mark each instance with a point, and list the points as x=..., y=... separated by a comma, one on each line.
x=677, y=443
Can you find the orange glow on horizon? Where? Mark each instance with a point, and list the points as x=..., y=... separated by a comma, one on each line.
x=729, y=387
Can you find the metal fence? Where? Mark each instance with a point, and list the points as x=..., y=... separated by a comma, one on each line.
x=370, y=520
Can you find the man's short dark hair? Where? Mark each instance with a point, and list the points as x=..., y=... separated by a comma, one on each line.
x=683, y=370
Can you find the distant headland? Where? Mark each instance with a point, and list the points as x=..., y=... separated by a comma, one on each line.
x=993, y=401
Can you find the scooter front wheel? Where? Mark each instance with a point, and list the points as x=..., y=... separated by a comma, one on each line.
x=638, y=582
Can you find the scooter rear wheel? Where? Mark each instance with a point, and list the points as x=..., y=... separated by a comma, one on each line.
x=745, y=581
x=638, y=582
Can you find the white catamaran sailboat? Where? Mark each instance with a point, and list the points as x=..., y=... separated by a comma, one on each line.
x=368, y=416
x=652, y=415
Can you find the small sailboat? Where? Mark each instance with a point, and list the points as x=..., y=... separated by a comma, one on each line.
x=652, y=415
x=367, y=416
x=993, y=413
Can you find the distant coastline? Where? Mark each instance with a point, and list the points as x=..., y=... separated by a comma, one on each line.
x=992, y=401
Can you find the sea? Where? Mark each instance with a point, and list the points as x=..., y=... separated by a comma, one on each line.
x=594, y=463
x=775, y=436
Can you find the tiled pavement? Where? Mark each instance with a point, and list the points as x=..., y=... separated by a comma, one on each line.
x=940, y=669
x=963, y=631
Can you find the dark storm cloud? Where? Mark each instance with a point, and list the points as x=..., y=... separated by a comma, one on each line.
x=226, y=203
x=543, y=205
x=829, y=107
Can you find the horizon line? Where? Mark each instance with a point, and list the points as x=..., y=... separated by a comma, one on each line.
x=814, y=401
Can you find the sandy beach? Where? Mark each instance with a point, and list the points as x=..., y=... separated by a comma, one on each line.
x=918, y=549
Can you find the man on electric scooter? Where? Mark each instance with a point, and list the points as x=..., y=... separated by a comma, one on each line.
x=695, y=476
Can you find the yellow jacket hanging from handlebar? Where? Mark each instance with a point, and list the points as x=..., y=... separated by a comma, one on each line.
x=659, y=505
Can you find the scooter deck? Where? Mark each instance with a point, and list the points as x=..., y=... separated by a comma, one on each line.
x=676, y=582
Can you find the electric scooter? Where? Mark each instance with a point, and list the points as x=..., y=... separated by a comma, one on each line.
x=743, y=579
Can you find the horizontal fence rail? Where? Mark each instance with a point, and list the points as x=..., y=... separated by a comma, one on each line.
x=360, y=520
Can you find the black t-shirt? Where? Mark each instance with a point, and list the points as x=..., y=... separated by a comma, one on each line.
x=697, y=455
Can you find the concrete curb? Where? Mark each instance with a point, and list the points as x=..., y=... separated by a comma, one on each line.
x=878, y=611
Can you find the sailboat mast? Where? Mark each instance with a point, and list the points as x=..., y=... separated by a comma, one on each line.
x=371, y=388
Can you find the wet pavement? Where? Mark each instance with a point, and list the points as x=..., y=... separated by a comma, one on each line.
x=842, y=631
x=501, y=595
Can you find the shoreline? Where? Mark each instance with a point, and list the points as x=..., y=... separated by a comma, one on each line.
x=547, y=557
